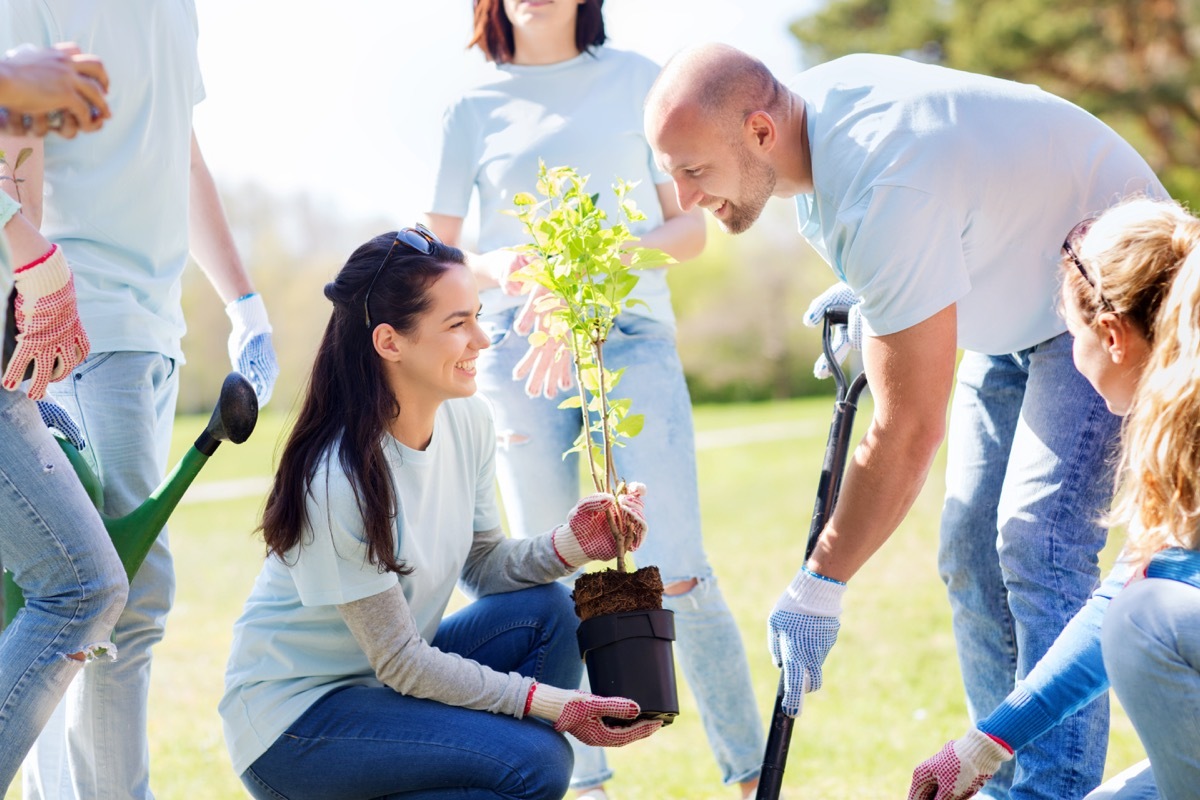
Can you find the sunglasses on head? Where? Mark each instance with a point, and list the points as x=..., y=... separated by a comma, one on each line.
x=1070, y=249
x=419, y=239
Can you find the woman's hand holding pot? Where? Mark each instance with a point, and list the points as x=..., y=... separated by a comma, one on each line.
x=587, y=534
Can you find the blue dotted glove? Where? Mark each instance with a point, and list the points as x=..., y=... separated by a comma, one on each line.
x=802, y=630
x=250, y=349
x=56, y=418
x=844, y=338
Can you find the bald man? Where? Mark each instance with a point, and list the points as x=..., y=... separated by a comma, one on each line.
x=942, y=199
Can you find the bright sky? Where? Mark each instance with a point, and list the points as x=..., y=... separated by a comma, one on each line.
x=344, y=99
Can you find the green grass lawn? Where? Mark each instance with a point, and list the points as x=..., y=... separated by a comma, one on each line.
x=892, y=692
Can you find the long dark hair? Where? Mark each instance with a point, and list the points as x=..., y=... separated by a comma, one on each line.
x=493, y=31
x=347, y=404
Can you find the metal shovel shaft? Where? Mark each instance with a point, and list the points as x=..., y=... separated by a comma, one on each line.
x=837, y=448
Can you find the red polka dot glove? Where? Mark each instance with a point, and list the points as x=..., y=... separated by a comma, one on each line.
x=960, y=769
x=587, y=534
x=49, y=334
x=581, y=715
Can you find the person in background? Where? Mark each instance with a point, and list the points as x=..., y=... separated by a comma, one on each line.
x=126, y=205
x=52, y=539
x=1131, y=299
x=557, y=94
x=940, y=198
x=346, y=677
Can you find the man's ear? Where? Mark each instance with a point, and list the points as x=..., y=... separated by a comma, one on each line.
x=760, y=129
x=388, y=342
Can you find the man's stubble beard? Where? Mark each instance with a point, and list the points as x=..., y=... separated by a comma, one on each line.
x=759, y=181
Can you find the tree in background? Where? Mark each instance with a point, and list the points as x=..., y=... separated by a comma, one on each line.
x=1133, y=63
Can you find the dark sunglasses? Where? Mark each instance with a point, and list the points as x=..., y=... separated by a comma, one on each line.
x=419, y=239
x=1070, y=249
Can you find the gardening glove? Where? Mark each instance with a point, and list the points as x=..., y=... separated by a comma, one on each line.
x=960, y=769
x=582, y=715
x=250, y=350
x=548, y=367
x=843, y=338
x=802, y=629
x=56, y=418
x=587, y=534
x=49, y=334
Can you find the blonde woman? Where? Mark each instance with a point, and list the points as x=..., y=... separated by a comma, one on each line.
x=1131, y=299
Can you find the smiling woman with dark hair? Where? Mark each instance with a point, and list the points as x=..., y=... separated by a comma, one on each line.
x=346, y=679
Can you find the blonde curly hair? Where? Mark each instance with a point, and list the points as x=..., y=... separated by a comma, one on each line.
x=1143, y=257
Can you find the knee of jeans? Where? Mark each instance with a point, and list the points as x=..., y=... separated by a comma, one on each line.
x=96, y=651
x=691, y=594
x=558, y=603
x=1127, y=634
x=507, y=439
x=101, y=607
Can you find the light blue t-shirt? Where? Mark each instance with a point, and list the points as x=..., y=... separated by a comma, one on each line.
x=291, y=645
x=934, y=186
x=585, y=113
x=117, y=200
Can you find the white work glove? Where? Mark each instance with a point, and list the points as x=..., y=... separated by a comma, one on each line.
x=250, y=349
x=960, y=769
x=582, y=715
x=843, y=338
x=587, y=534
x=802, y=629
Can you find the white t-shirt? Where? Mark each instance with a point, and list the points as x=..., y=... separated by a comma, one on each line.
x=584, y=113
x=934, y=186
x=117, y=200
x=291, y=646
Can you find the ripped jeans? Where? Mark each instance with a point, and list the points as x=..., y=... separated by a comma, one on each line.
x=539, y=487
x=54, y=544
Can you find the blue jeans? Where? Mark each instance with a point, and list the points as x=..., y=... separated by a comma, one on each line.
x=1151, y=644
x=53, y=543
x=1028, y=475
x=539, y=488
x=96, y=745
x=373, y=742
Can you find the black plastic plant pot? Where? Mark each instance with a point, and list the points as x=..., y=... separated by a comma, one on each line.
x=630, y=655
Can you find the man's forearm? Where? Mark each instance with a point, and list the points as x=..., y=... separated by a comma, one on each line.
x=884, y=477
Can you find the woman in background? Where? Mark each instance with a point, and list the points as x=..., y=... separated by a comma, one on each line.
x=558, y=95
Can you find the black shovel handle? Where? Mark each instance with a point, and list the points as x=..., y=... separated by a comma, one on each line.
x=837, y=449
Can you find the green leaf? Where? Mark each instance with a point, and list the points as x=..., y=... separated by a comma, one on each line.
x=25, y=153
x=632, y=425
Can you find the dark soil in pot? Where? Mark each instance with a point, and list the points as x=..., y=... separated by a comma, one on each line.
x=611, y=592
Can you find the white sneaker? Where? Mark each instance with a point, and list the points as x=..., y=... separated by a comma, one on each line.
x=593, y=794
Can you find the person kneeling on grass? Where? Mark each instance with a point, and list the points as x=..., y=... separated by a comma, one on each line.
x=1131, y=299
x=345, y=680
